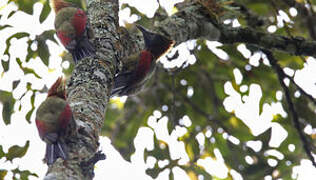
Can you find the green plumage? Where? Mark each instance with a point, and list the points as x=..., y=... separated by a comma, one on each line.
x=129, y=80
x=78, y=3
x=63, y=20
x=50, y=111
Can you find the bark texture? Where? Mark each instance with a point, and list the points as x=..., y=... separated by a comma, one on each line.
x=194, y=21
x=88, y=93
x=91, y=82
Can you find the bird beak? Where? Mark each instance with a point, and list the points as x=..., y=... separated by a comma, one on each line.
x=147, y=34
x=142, y=29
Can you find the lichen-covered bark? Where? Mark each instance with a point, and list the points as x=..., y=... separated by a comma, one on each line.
x=193, y=21
x=89, y=87
x=88, y=93
x=294, y=46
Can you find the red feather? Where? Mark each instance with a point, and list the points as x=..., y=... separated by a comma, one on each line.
x=143, y=67
x=155, y=46
x=41, y=127
x=65, y=40
x=76, y=38
x=52, y=130
x=65, y=117
x=79, y=22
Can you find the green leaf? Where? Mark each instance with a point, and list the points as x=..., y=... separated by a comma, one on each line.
x=2, y=154
x=30, y=52
x=24, y=175
x=11, y=14
x=49, y=34
x=5, y=65
x=25, y=69
x=8, y=102
x=143, y=20
x=17, y=151
x=29, y=114
x=45, y=11
x=18, y=35
x=3, y=173
x=286, y=60
x=5, y=26
x=265, y=138
x=15, y=83
x=25, y=5
x=42, y=50
x=66, y=56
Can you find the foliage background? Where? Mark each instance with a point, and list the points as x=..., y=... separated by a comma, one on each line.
x=211, y=109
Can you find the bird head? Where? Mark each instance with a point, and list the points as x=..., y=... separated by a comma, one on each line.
x=155, y=43
x=58, y=89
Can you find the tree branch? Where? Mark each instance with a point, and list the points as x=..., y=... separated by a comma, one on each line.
x=193, y=22
x=253, y=19
x=88, y=93
x=292, y=110
x=301, y=90
x=91, y=82
x=308, y=15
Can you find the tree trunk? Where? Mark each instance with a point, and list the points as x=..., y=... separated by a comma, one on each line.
x=91, y=82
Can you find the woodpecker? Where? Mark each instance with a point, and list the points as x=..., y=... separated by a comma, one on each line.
x=52, y=119
x=129, y=82
x=73, y=28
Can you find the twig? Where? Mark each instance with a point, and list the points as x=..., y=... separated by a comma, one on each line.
x=301, y=90
x=283, y=74
x=305, y=13
x=286, y=26
x=293, y=112
x=291, y=79
x=253, y=19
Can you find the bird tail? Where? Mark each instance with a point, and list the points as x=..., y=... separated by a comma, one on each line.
x=54, y=151
x=83, y=49
x=121, y=83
